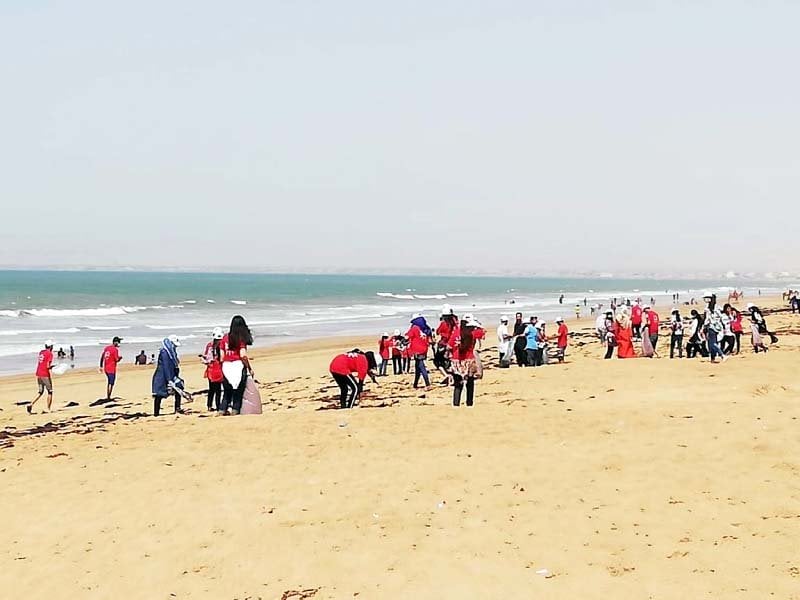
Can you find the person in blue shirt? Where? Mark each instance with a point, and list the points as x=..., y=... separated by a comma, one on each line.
x=531, y=341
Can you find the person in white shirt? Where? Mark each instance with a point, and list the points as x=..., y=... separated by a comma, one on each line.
x=503, y=337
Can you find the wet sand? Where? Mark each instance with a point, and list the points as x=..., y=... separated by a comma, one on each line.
x=591, y=479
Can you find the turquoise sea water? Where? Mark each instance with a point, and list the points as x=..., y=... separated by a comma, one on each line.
x=86, y=309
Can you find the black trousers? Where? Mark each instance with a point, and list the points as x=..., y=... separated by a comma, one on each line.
x=728, y=344
x=609, y=351
x=157, y=404
x=520, y=353
x=232, y=397
x=348, y=389
x=397, y=365
x=676, y=343
x=636, y=330
x=214, y=395
x=458, y=386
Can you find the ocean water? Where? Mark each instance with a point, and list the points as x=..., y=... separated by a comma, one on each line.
x=86, y=309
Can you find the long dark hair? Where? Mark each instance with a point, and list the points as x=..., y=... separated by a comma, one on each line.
x=215, y=349
x=239, y=334
x=467, y=342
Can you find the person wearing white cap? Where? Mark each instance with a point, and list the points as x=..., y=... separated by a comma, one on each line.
x=44, y=364
x=398, y=350
x=503, y=338
x=466, y=366
x=651, y=320
x=636, y=320
x=212, y=358
x=448, y=323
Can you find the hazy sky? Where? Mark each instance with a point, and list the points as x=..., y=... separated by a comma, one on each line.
x=453, y=134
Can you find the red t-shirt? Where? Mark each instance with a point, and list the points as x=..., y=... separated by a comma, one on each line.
x=213, y=366
x=45, y=360
x=444, y=331
x=562, y=336
x=417, y=341
x=652, y=322
x=110, y=359
x=455, y=343
x=229, y=353
x=636, y=314
x=385, y=348
x=345, y=364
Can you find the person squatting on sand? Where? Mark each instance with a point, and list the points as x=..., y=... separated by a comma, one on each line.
x=212, y=358
x=43, y=366
x=466, y=366
x=235, y=365
x=349, y=371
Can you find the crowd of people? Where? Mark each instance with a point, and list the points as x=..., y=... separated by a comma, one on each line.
x=714, y=333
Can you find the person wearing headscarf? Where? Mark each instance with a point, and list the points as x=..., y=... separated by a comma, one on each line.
x=418, y=336
x=758, y=317
x=520, y=341
x=696, y=344
x=736, y=328
x=465, y=366
x=166, y=377
x=676, y=335
x=623, y=335
x=756, y=326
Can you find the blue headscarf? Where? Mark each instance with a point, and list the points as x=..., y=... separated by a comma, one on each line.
x=172, y=352
x=423, y=325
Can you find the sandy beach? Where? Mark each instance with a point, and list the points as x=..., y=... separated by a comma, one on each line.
x=592, y=479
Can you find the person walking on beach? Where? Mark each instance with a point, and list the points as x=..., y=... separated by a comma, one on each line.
x=676, y=335
x=108, y=364
x=503, y=339
x=166, y=378
x=755, y=332
x=736, y=328
x=728, y=341
x=349, y=371
x=466, y=368
x=757, y=316
x=385, y=352
x=696, y=344
x=714, y=328
x=562, y=341
x=212, y=358
x=623, y=334
x=43, y=378
x=418, y=337
x=235, y=365
x=448, y=322
x=636, y=320
x=609, y=335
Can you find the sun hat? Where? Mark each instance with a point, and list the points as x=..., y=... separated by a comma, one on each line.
x=175, y=340
x=217, y=333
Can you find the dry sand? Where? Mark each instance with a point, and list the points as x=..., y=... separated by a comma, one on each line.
x=591, y=479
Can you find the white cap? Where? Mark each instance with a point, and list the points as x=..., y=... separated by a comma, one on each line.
x=468, y=317
x=217, y=333
x=504, y=319
x=646, y=307
x=560, y=320
x=540, y=324
x=750, y=305
x=175, y=340
x=707, y=294
x=385, y=334
x=416, y=316
x=471, y=322
x=397, y=332
x=48, y=343
x=447, y=310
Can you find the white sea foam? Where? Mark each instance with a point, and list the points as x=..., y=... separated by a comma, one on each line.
x=239, y=302
x=457, y=295
x=190, y=302
x=9, y=313
x=83, y=312
x=105, y=327
x=211, y=301
x=38, y=331
x=430, y=296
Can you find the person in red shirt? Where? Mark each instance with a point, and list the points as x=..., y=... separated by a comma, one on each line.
x=43, y=366
x=385, y=352
x=562, y=339
x=398, y=347
x=651, y=322
x=212, y=358
x=418, y=343
x=235, y=365
x=343, y=367
x=441, y=359
x=108, y=364
x=465, y=364
x=636, y=321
